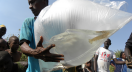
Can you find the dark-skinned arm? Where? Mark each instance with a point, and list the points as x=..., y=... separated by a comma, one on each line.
x=118, y=62
x=40, y=52
x=27, y=50
x=113, y=66
x=95, y=63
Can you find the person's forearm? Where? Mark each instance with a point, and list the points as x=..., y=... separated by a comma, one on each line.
x=26, y=49
x=120, y=62
x=113, y=66
x=127, y=52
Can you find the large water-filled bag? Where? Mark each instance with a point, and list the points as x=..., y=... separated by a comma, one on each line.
x=77, y=28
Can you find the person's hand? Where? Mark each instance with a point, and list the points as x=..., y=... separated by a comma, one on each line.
x=129, y=62
x=44, y=54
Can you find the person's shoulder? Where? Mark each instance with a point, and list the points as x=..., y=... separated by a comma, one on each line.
x=8, y=50
x=111, y=51
x=28, y=21
x=100, y=48
x=120, y=59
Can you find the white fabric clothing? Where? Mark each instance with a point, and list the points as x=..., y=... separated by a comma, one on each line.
x=104, y=58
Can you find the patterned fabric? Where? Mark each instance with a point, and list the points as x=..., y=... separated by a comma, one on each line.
x=104, y=58
x=119, y=67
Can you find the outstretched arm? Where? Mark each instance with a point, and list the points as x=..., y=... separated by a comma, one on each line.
x=40, y=52
x=118, y=62
x=27, y=50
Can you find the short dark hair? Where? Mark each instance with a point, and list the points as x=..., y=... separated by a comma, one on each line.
x=10, y=39
x=47, y=2
x=109, y=40
x=121, y=54
x=2, y=40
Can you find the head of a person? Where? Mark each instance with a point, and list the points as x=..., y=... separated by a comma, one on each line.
x=122, y=55
x=2, y=30
x=3, y=45
x=88, y=64
x=6, y=63
x=14, y=43
x=37, y=5
x=107, y=43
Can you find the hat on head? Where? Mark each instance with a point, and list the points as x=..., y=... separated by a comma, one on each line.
x=1, y=25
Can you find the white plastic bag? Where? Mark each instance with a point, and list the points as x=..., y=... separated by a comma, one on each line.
x=120, y=5
x=78, y=28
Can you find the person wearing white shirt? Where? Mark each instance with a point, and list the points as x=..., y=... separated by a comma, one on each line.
x=103, y=57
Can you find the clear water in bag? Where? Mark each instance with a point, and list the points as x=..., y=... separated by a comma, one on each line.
x=77, y=28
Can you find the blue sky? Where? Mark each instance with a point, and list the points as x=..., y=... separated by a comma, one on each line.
x=14, y=12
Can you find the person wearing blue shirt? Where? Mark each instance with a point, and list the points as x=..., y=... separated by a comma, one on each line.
x=119, y=67
x=27, y=40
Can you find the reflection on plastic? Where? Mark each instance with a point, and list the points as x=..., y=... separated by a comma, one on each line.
x=120, y=5
x=76, y=45
x=78, y=28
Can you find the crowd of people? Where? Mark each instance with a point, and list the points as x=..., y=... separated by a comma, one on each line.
x=103, y=58
x=9, y=54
